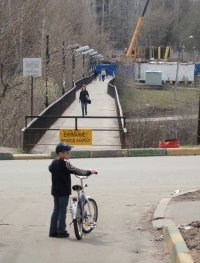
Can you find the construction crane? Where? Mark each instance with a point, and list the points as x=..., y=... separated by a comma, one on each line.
x=157, y=52
x=136, y=33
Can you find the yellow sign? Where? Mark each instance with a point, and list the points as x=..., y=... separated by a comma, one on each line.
x=76, y=137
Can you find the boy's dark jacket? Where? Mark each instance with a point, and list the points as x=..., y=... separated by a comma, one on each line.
x=61, y=179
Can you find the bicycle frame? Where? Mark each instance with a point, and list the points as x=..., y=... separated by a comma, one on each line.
x=81, y=197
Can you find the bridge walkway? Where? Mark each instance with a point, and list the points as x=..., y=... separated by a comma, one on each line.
x=102, y=105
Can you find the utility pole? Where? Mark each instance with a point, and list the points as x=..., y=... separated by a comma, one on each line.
x=31, y=97
x=73, y=68
x=47, y=70
x=63, y=75
x=176, y=23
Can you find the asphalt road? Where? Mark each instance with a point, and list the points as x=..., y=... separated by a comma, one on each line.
x=122, y=190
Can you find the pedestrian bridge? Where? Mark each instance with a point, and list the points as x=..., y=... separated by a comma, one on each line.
x=104, y=118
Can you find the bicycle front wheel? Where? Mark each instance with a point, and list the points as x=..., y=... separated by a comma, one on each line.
x=90, y=216
x=78, y=223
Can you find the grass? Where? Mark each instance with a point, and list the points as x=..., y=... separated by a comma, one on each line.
x=134, y=99
x=20, y=150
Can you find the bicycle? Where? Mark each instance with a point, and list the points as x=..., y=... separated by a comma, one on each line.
x=83, y=209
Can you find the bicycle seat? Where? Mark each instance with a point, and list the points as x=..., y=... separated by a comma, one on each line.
x=77, y=187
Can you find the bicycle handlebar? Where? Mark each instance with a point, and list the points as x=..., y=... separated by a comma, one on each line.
x=83, y=176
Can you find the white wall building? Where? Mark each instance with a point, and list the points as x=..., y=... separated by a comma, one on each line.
x=168, y=69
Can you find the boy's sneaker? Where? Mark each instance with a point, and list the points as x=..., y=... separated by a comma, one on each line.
x=52, y=234
x=65, y=234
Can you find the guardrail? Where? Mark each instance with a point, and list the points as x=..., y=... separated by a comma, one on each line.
x=112, y=91
x=34, y=131
x=31, y=142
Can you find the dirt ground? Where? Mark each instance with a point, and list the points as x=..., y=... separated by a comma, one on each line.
x=162, y=254
x=191, y=235
x=153, y=112
x=9, y=150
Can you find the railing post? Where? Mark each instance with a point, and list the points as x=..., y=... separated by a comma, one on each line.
x=198, y=130
x=124, y=134
x=124, y=122
x=76, y=126
x=123, y=140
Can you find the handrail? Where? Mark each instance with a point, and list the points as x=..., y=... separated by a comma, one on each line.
x=112, y=91
x=32, y=136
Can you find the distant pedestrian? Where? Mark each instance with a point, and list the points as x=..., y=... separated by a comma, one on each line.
x=99, y=76
x=95, y=74
x=106, y=72
x=84, y=95
x=103, y=73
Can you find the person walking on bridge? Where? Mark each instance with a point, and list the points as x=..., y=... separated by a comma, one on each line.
x=84, y=95
x=103, y=73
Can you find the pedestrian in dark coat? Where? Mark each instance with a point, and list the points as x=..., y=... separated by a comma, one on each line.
x=84, y=95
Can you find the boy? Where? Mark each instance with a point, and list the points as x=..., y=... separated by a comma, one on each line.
x=60, y=170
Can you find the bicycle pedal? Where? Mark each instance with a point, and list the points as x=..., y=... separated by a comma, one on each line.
x=93, y=225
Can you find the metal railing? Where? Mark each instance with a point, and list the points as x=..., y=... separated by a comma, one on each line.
x=35, y=130
x=112, y=91
x=32, y=142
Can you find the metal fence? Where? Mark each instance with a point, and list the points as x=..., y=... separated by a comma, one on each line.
x=112, y=91
x=34, y=131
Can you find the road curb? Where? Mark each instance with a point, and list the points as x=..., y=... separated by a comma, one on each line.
x=108, y=154
x=176, y=245
x=183, y=151
x=74, y=154
x=31, y=156
x=142, y=152
x=6, y=156
x=161, y=207
x=146, y=152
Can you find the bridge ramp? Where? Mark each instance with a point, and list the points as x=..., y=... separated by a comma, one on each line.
x=102, y=105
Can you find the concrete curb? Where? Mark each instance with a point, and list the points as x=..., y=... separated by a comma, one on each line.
x=6, y=156
x=176, y=245
x=183, y=151
x=31, y=156
x=107, y=154
x=147, y=152
x=175, y=242
x=160, y=210
x=74, y=154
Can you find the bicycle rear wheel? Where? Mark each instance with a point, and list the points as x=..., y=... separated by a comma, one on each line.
x=78, y=223
x=90, y=216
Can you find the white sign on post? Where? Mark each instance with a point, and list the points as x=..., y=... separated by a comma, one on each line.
x=32, y=67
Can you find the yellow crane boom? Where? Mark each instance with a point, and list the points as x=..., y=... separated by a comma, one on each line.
x=136, y=33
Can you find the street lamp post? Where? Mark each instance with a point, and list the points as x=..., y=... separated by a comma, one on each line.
x=73, y=68
x=79, y=50
x=47, y=69
x=178, y=61
x=84, y=54
x=92, y=59
x=83, y=65
x=63, y=75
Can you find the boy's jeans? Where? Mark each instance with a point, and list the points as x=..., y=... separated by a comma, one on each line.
x=58, y=217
